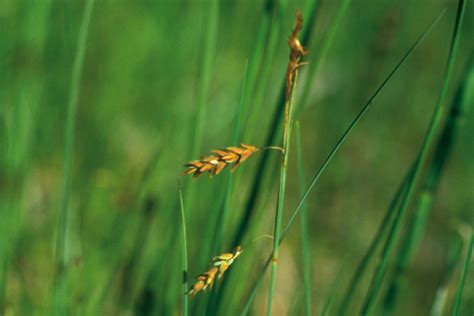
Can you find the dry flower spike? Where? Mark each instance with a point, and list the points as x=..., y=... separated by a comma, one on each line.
x=204, y=281
x=225, y=260
x=297, y=51
x=220, y=159
x=220, y=264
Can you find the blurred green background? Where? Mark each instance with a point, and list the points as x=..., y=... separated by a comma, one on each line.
x=141, y=86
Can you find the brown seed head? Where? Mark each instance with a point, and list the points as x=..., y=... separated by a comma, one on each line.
x=297, y=51
x=220, y=264
x=219, y=159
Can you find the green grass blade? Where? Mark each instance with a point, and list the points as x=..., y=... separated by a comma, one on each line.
x=428, y=142
x=462, y=281
x=304, y=227
x=430, y=185
x=184, y=249
x=336, y=148
x=61, y=234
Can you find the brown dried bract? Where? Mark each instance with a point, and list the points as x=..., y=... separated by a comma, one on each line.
x=204, y=281
x=297, y=51
x=224, y=260
x=220, y=264
x=220, y=159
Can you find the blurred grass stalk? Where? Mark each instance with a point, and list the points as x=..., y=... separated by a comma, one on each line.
x=428, y=191
x=20, y=96
x=332, y=153
x=222, y=215
x=61, y=230
x=210, y=15
x=469, y=244
x=305, y=243
x=428, y=143
x=184, y=249
x=289, y=108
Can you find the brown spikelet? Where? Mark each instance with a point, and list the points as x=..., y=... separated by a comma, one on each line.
x=297, y=51
x=224, y=260
x=204, y=281
x=220, y=264
x=219, y=159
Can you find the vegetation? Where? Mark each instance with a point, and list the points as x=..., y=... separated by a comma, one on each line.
x=164, y=158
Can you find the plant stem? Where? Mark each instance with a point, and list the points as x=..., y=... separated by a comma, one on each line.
x=304, y=227
x=61, y=234
x=184, y=249
x=272, y=135
x=462, y=281
x=281, y=192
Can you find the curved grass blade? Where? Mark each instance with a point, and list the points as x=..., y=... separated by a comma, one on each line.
x=430, y=185
x=184, y=249
x=462, y=281
x=336, y=148
x=61, y=235
x=422, y=158
x=304, y=227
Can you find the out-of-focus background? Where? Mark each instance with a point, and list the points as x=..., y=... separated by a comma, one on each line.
x=149, y=68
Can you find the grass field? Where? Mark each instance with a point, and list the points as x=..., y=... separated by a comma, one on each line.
x=363, y=205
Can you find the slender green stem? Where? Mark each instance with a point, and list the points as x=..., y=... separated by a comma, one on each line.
x=61, y=233
x=184, y=249
x=304, y=226
x=281, y=194
x=333, y=152
x=428, y=142
x=462, y=281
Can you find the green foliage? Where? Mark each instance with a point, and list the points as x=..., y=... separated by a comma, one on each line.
x=95, y=125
